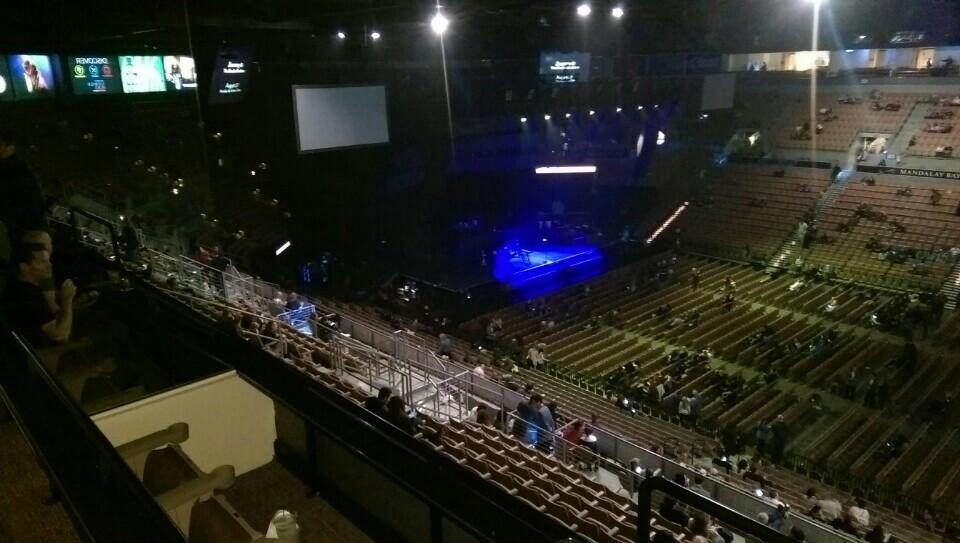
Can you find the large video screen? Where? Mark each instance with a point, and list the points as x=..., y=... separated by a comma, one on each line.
x=142, y=74
x=180, y=73
x=6, y=84
x=230, y=75
x=94, y=74
x=338, y=117
x=557, y=67
x=32, y=76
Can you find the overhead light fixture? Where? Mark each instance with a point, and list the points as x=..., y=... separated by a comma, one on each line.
x=617, y=12
x=439, y=23
x=342, y=35
x=619, y=109
x=568, y=115
x=592, y=112
x=523, y=119
x=282, y=248
x=666, y=224
x=661, y=137
x=848, y=50
x=639, y=108
x=546, y=117
x=551, y=170
x=583, y=10
x=374, y=35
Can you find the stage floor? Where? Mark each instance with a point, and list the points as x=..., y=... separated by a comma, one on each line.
x=541, y=269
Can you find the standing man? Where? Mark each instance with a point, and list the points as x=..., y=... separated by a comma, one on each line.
x=21, y=202
x=695, y=279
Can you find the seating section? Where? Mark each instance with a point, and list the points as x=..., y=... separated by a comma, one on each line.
x=594, y=332
x=184, y=491
x=841, y=122
x=911, y=236
x=750, y=379
x=938, y=135
x=750, y=212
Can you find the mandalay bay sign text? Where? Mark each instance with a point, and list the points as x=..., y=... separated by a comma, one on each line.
x=935, y=174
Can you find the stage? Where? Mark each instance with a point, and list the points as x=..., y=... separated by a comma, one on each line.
x=536, y=269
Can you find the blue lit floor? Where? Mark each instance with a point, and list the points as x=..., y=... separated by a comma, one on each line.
x=544, y=269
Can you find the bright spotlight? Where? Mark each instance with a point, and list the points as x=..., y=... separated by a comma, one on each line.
x=567, y=115
x=523, y=119
x=639, y=108
x=546, y=117
x=583, y=10
x=439, y=24
x=592, y=112
x=374, y=35
x=617, y=12
x=282, y=248
x=661, y=138
x=342, y=35
x=619, y=109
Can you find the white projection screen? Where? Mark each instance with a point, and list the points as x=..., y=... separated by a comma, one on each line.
x=718, y=91
x=339, y=117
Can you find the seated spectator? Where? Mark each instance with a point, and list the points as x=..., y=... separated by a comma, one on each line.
x=574, y=432
x=700, y=527
x=826, y=510
x=397, y=414
x=378, y=403
x=28, y=309
x=876, y=535
x=669, y=511
x=858, y=517
x=797, y=534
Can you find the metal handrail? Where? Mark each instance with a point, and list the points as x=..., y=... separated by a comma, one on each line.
x=739, y=522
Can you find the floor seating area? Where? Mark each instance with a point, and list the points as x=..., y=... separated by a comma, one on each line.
x=749, y=212
x=938, y=135
x=923, y=233
x=822, y=436
x=841, y=122
x=656, y=431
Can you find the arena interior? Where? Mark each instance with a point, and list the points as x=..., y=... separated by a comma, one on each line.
x=490, y=271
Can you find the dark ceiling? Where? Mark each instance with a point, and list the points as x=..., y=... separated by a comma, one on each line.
x=487, y=28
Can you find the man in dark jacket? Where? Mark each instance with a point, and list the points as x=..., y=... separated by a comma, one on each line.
x=21, y=202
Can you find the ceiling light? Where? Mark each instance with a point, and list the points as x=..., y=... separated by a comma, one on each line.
x=583, y=10
x=617, y=12
x=374, y=35
x=523, y=119
x=546, y=117
x=439, y=23
x=342, y=35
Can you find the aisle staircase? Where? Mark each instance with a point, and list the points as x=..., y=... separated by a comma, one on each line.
x=951, y=287
x=909, y=128
x=826, y=200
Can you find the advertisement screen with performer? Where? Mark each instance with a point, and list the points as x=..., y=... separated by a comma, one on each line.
x=32, y=76
x=180, y=73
